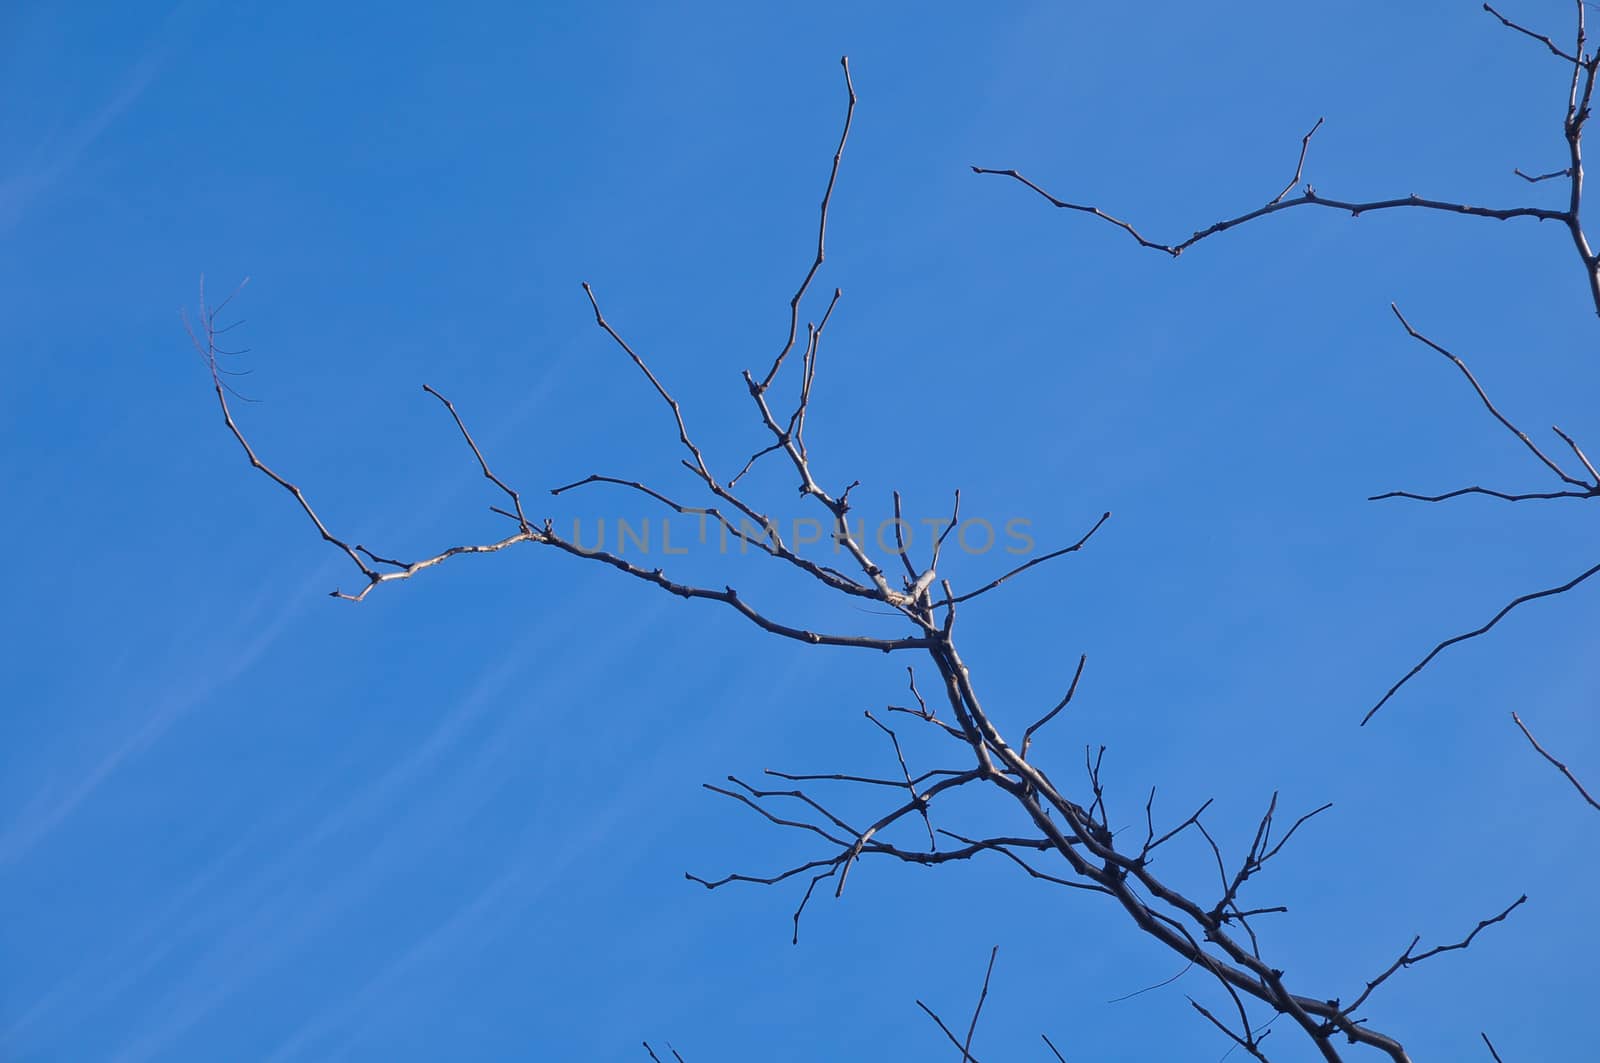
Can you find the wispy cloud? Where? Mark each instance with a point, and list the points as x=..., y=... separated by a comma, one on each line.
x=525, y=879
x=224, y=664
x=229, y=914
x=119, y=964
x=21, y=189
x=258, y=929
x=339, y=1029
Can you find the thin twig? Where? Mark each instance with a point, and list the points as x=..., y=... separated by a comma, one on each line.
x=992, y=584
x=1541, y=38
x=983, y=995
x=1548, y=592
x=1558, y=765
x=1489, y=405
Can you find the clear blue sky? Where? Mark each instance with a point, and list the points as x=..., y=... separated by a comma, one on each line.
x=240, y=820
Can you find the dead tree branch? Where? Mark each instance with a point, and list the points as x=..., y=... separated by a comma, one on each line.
x=1584, y=66
x=1408, y=958
x=1548, y=592
x=1558, y=765
x=1059, y=835
x=972, y=1027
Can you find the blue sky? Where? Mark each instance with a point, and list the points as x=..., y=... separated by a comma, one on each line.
x=239, y=820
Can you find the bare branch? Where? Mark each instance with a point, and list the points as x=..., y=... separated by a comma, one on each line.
x=1004, y=847
x=205, y=343
x=516, y=499
x=1246, y=1041
x=1555, y=50
x=1534, y=179
x=1151, y=842
x=1309, y=198
x=966, y=1045
x=1299, y=166
x=822, y=232
x=991, y=585
x=1584, y=69
x=966, y=1056
x=1528, y=496
x=911, y=787
x=900, y=540
x=1410, y=959
x=1562, y=768
x=1027, y=736
x=1064, y=838
x=1185, y=969
x=1490, y=406
x=1485, y=629
x=660, y=389
x=1584, y=458
x=1270, y=853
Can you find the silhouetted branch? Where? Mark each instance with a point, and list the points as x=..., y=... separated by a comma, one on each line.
x=1300, y=165
x=1246, y=1041
x=1558, y=765
x=1588, y=487
x=1585, y=67
x=1410, y=959
x=1534, y=179
x=1058, y=835
x=992, y=584
x=1475, y=632
x=1027, y=736
x=1541, y=38
x=1310, y=198
x=822, y=233
x=983, y=995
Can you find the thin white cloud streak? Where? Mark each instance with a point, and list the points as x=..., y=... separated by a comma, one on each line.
x=20, y=190
x=49, y=810
x=137, y=957
x=451, y=935
x=176, y=924
x=145, y=948
x=119, y=965
x=249, y=925
x=462, y=929
x=45, y=814
x=268, y=925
